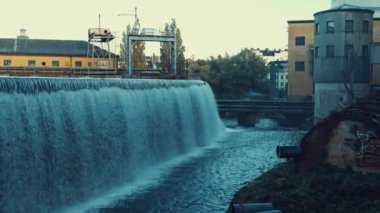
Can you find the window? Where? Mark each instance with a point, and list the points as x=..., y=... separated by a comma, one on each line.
x=330, y=51
x=348, y=49
x=31, y=63
x=365, y=51
x=330, y=27
x=317, y=30
x=7, y=62
x=55, y=63
x=349, y=26
x=43, y=63
x=316, y=52
x=89, y=64
x=300, y=41
x=300, y=66
x=365, y=26
x=78, y=64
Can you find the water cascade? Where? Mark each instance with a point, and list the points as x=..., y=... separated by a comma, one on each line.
x=63, y=141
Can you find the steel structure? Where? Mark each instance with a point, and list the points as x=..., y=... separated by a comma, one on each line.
x=153, y=38
x=99, y=37
x=148, y=34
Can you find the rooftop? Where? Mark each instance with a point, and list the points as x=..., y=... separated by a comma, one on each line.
x=25, y=46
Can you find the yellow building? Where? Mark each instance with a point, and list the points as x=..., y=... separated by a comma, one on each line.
x=301, y=54
x=24, y=54
x=300, y=70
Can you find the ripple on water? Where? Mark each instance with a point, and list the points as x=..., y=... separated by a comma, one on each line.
x=208, y=182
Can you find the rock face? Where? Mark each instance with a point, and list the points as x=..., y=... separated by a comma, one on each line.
x=349, y=138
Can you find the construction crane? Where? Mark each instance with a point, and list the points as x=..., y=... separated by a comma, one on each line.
x=136, y=25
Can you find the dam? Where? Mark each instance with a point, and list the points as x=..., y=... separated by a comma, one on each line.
x=66, y=141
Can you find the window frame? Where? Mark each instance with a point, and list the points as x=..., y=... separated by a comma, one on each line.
x=365, y=51
x=317, y=28
x=54, y=63
x=7, y=62
x=31, y=63
x=347, y=48
x=365, y=26
x=316, y=52
x=351, y=26
x=330, y=29
x=330, y=51
x=299, y=66
x=300, y=40
x=76, y=63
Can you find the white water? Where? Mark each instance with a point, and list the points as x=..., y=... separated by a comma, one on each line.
x=266, y=123
x=65, y=141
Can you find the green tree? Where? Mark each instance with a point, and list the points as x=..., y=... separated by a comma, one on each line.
x=171, y=29
x=165, y=52
x=233, y=77
x=200, y=67
x=138, y=48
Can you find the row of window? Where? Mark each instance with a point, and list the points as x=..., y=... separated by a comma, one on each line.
x=348, y=51
x=348, y=26
x=32, y=63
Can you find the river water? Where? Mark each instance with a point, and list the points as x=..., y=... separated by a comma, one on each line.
x=206, y=181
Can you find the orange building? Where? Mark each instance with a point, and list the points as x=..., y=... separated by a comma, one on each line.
x=300, y=69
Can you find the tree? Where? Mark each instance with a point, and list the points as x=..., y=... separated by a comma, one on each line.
x=233, y=77
x=180, y=53
x=201, y=67
x=138, y=48
x=171, y=29
x=165, y=52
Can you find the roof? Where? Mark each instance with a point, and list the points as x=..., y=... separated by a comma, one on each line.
x=300, y=21
x=47, y=47
x=344, y=9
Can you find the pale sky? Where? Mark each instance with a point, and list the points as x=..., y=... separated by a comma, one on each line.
x=208, y=27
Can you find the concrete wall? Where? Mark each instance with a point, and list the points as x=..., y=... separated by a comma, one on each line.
x=300, y=82
x=331, y=97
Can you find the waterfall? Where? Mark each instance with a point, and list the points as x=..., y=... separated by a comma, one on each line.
x=63, y=141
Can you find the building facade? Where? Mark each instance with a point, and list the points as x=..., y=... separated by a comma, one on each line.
x=23, y=53
x=301, y=54
x=279, y=78
x=341, y=58
x=300, y=69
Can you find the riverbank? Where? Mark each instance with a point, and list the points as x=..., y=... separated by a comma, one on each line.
x=324, y=190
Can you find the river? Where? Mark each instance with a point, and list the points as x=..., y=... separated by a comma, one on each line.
x=206, y=181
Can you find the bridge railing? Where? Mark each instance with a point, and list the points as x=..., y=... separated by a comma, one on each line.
x=300, y=107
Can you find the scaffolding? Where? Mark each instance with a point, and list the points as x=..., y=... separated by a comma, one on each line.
x=98, y=57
